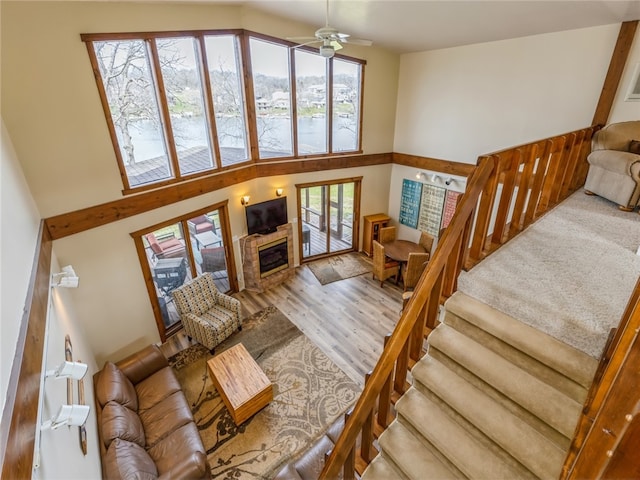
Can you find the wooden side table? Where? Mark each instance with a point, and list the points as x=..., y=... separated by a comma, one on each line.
x=241, y=383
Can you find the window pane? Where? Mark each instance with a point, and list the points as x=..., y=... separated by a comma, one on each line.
x=207, y=246
x=311, y=98
x=270, y=65
x=228, y=97
x=167, y=257
x=126, y=76
x=346, y=105
x=184, y=94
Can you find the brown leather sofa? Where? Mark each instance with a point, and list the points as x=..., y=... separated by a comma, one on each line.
x=145, y=425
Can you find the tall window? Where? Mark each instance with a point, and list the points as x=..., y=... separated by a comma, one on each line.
x=346, y=105
x=311, y=98
x=176, y=102
x=272, y=93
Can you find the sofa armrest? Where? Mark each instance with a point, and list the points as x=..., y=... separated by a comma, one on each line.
x=143, y=363
x=194, y=466
x=228, y=302
x=622, y=163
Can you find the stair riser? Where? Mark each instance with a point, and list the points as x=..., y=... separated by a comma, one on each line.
x=547, y=431
x=551, y=406
x=495, y=424
x=521, y=359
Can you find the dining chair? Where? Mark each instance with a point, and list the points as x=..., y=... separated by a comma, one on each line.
x=213, y=260
x=383, y=268
x=387, y=234
x=426, y=241
x=415, y=266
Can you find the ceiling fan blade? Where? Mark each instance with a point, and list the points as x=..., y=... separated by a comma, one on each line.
x=302, y=39
x=336, y=45
x=315, y=40
x=357, y=41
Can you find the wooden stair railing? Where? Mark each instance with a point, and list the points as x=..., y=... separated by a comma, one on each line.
x=509, y=189
x=599, y=448
x=408, y=336
x=530, y=179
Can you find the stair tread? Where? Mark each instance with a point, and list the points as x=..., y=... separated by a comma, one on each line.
x=553, y=407
x=381, y=468
x=563, y=358
x=410, y=455
x=473, y=458
x=530, y=447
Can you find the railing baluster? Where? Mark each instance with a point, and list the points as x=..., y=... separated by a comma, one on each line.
x=366, y=440
x=384, y=400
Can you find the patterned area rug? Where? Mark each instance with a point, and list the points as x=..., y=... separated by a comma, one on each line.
x=310, y=392
x=336, y=268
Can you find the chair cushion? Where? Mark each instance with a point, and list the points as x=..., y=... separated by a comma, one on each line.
x=170, y=414
x=196, y=296
x=128, y=460
x=120, y=422
x=177, y=446
x=155, y=388
x=113, y=385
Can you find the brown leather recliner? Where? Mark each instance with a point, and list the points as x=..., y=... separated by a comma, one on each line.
x=145, y=425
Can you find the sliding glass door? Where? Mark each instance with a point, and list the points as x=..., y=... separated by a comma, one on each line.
x=328, y=216
x=176, y=252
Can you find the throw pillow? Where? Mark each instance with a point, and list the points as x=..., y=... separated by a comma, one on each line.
x=634, y=146
x=120, y=422
x=113, y=385
x=126, y=460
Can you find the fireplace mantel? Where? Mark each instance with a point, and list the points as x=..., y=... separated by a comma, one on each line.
x=251, y=261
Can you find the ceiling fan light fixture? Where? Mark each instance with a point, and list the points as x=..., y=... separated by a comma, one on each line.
x=327, y=51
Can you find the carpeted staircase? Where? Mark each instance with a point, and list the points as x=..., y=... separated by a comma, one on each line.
x=492, y=399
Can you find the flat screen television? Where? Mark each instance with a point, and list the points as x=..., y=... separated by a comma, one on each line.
x=265, y=217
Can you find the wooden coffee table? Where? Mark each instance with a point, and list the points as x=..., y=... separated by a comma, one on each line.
x=241, y=383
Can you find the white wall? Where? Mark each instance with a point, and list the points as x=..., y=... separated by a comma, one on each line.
x=459, y=103
x=20, y=227
x=61, y=448
x=624, y=110
x=20, y=222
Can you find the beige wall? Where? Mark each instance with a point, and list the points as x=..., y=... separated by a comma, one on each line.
x=458, y=103
x=20, y=222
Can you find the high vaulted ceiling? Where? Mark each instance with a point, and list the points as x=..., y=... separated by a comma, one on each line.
x=418, y=25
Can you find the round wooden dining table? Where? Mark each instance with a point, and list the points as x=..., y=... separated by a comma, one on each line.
x=399, y=250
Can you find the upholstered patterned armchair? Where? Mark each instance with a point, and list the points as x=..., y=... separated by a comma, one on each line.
x=208, y=316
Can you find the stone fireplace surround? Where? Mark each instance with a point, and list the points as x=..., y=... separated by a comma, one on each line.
x=251, y=259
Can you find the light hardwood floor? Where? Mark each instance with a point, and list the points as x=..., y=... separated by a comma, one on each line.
x=347, y=319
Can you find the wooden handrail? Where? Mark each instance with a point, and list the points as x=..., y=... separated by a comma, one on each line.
x=530, y=179
x=406, y=325
x=509, y=189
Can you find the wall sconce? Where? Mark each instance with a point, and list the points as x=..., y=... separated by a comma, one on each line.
x=72, y=370
x=71, y=415
x=67, y=278
x=279, y=192
x=244, y=200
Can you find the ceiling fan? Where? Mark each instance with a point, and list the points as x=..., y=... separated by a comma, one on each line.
x=330, y=39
